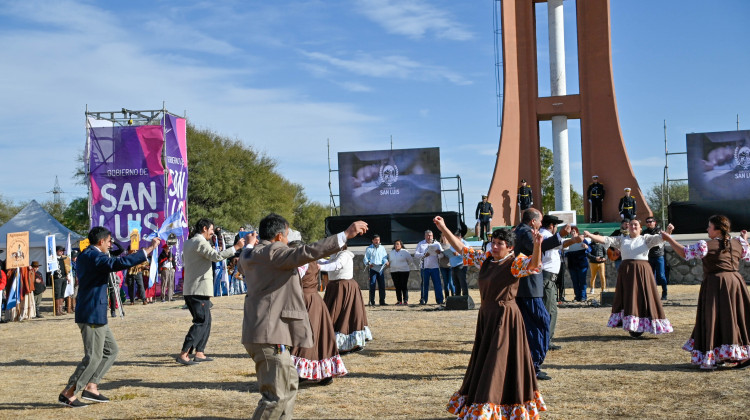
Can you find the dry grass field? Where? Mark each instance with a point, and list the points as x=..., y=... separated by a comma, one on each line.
x=409, y=371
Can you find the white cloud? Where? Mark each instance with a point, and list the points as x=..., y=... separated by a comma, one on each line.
x=413, y=18
x=50, y=75
x=355, y=87
x=182, y=36
x=391, y=66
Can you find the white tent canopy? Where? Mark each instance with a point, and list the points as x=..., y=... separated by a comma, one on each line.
x=34, y=219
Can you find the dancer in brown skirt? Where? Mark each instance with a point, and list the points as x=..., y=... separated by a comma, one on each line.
x=636, y=307
x=721, y=333
x=321, y=362
x=500, y=381
x=344, y=301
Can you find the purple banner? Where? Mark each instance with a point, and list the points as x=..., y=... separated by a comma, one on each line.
x=127, y=179
x=177, y=165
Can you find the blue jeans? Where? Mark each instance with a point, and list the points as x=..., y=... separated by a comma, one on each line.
x=657, y=264
x=377, y=276
x=578, y=278
x=448, y=288
x=433, y=273
x=536, y=321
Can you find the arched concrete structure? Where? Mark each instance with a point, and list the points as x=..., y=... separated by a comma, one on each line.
x=602, y=144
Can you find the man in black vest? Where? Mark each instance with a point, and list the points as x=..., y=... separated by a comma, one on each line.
x=531, y=288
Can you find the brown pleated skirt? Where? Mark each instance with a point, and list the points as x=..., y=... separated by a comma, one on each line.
x=344, y=301
x=636, y=305
x=322, y=360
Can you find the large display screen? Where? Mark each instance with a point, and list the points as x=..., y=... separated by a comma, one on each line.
x=390, y=181
x=719, y=165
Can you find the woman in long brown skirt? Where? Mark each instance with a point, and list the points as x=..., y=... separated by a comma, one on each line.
x=343, y=298
x=636, y=307
x=500, y=381
x=322, y=361
x=721, y=333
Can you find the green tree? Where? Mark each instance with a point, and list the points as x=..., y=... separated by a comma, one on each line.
x=8, y=209
x=548, y=185
x=678, y=191
x=56, y=210
x=76, y=216
x=309, y=217
x=233, y=184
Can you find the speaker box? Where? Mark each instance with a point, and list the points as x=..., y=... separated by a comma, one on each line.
x=607, y=298
x=460, y=303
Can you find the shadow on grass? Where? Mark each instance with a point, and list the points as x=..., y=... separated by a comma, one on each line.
x=216, y=356
x=246, y=386
x=24, y=362
x=416, y=351
x=200, y=418
x=602, y=338
x=405, y=376
x=675, y=367
x=160, y=363
x=29, y=406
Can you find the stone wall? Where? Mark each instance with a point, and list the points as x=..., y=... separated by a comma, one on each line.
x=680, y=272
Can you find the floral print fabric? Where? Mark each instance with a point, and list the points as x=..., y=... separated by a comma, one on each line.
x=518, y=269
x=636, y=324
x=488, y=411
x=700, y=249
x=346, y=342
x=725, y=353
x=319, y=369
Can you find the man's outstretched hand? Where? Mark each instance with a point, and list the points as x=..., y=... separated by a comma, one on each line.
x=355, y=229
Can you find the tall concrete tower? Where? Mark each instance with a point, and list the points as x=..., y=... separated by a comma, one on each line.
x=602, y=145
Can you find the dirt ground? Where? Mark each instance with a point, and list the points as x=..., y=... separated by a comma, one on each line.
x=416, y=361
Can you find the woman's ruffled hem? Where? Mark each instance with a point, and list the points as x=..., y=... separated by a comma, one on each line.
x=319, y=369
x=725, y=353
x=346, y=342
x=487, y=411
x=636, y=324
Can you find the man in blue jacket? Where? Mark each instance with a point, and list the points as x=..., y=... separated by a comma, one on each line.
x=100, y=349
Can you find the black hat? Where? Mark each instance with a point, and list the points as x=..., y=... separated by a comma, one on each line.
x=59, y=248
x=549, y=219
x=523, y=180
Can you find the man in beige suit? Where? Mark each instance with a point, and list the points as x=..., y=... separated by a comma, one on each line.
x=275, y=314
x=198, y=287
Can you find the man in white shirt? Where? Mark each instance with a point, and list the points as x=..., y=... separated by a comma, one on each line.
x=550, y=269
x=427, y=252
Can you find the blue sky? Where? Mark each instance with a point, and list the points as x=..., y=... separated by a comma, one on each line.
x=285, y=76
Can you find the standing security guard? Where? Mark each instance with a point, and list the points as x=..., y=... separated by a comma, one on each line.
x=595, y=195
x=525, y=200
x=484, y=215
x=627, y=206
